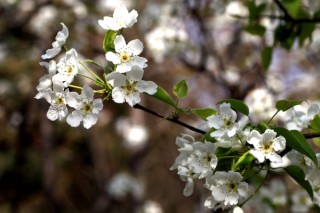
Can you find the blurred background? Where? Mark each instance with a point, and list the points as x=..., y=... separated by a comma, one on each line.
x=122, y=163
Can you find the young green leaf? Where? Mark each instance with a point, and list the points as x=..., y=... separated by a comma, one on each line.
x=180, y=89
x=237, y=105
x=162, y=95
x=293, y=7
x=108, y=41
x=298, y=175
x=296, y=141
x=255, y=29
x=204, y=112
x=244, y=161
x=266, y=56
x=315, y=127
x=284, y=105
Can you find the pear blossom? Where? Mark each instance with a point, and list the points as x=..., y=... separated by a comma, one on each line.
x=185, y=143
x=299, y=119
x=57, y=99
x=301, y=202
x=61, y=38
x=266, y=145
x=227, y=187
x=224, y=122
x=45, y=81
x=276, y=193
x=204, y=160
x=188, y=176
x=126, y=88
x=126, y=55
x=86, y=107
x=67, y=68
x=121, y=19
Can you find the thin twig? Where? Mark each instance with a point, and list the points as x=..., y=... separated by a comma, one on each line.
x=311, y=135
x=174, y=120
x=284, y=10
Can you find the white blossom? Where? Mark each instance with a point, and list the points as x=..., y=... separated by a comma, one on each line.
x=61, y=38
x=266, y=145
x=276, y=193
x=57, y=99
x=204, y=161
x=67, y=68
x=126, y=88
x=123, y=184
x=301, y=202
x=299, y=119
x=86, y=107
x=126, y=55
x=227, y=187
x=224, y=122
x=185, y=143
x=45, y=81
x=188, y=176
x=121, y=19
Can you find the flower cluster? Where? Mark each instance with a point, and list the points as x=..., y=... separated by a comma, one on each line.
x=123, y=83
x=126, y=80
x=203, y=159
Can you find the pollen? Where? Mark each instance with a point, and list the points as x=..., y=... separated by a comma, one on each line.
x=69, y=70
x=125, y=57
x=86, y=108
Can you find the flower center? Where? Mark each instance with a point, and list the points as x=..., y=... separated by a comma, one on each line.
x=59, y=100
x=125, y=57
x=86, y=108
x=129, y=87
x=227, y=122
x=232, y=186
x=69, y=70
x=267, y=147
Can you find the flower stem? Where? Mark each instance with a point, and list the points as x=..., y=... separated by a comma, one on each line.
x=83, y=75
x=257, y=189
x=74, y=86
x=273, y=116
x=87, y=68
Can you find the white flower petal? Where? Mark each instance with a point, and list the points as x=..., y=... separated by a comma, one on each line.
x=52, y=113
x=135, y=47
x=258, y=155
x=97, y=106
x=133, y=98
x=135, y=74
x=215, y=121
x=74, y=118
x=188, y=189
x=279, y=143
x=313, y=110
x=273, y=157
x=147, y=86
x=117, y=95
x=139, y=61
x=87, y=93
x=124, y=67
x=116, y=79
x=119, y=43
x=89, y=120
x=114, y=58
x=73, y=99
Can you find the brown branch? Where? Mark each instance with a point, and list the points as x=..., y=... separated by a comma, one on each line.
x=284, y=18
x=286, y=13
x=174, y=120
x=311, y=135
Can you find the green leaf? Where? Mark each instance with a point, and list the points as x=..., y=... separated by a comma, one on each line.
x=207, y=136
x=255, y=29
x=293, y=7
x=237, y=105
x=315, y=127
x=204, y=112
x=180, y=89
x=244, y=161
x=285, y=34
x=284, y=105
x=296, y=141
x=108, y=41
x=298, y=175
x=266, y=56
x=162, y=95
x=255, y=10
x=305, y=32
